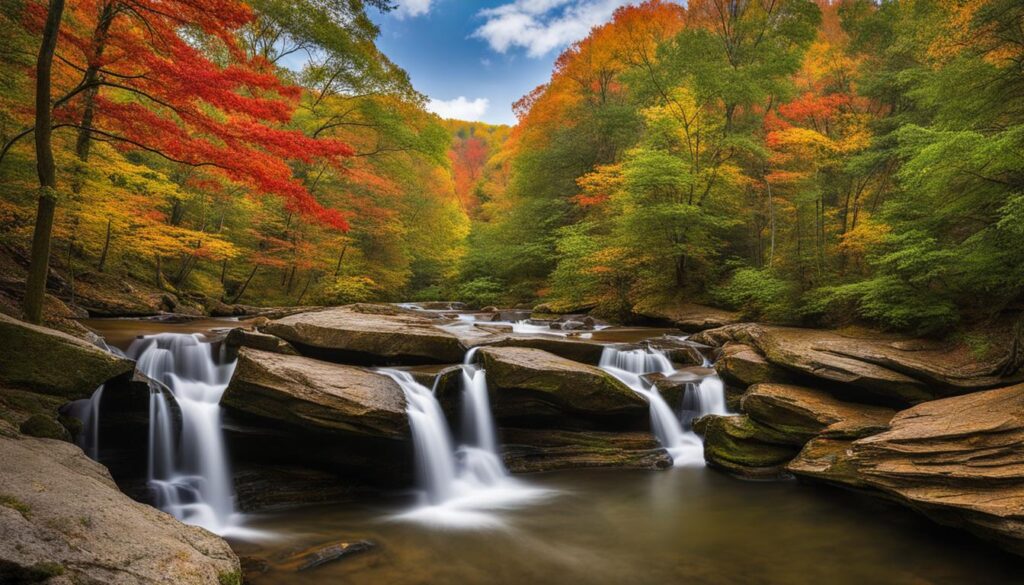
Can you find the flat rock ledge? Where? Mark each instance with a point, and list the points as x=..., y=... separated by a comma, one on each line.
x=959, y=461
x=861, y=366
x=317, y=395
x=777, y=420
x=369, y=334
x=64, y=522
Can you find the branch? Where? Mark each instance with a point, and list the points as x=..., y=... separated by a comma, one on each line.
x=141, y=146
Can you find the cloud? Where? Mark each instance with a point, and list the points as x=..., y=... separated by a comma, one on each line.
x=460, y=108
x=412, y=8
x=540, y=26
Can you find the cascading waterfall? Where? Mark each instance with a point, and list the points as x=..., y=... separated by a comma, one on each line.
x=457, y=483
x=89, y=411
x=190, y=477
x=673, y=432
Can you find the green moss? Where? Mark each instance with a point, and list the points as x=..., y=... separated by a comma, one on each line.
x=230, y=578
x=44, y=427
x=14, y=503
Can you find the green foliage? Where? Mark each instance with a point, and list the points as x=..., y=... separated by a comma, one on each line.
x=759, y=294
x=349, y=289
x=483, y=291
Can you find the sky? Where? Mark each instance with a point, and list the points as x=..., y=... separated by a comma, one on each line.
x=474, y=58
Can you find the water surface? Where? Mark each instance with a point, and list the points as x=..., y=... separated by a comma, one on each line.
x=688, y=525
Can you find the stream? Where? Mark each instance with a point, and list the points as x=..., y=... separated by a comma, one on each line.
x=469, y=521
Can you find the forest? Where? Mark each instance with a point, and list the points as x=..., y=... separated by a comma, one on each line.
x=800, y=161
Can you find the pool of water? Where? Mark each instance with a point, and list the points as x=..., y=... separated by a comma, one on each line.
x=691, y=525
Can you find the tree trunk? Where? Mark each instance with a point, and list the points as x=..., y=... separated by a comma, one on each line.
x=106, y=247
x=159, y=274
x=302, y=295
x=245, y=285
x=337, y=269
x=291, y=280
x=223, y=270
x=83, y=143
x=35, y=287
x=71, y=270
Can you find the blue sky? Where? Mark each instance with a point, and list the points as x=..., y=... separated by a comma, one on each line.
x=475, y=58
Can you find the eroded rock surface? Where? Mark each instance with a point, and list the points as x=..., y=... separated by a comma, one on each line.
x=533, y=383
x=868, y=366
x=63, y=519
x=317, y=395
x=50, y=362
x=958, y=460
x=377, y=334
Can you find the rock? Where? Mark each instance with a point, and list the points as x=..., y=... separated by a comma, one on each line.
x=72, y=368
x=535, y=384
x=368, y=334
x=959, y=461
x=804, y=413
x=490, y=309
x=533, y=450
x=239, y=337
x=441, y=306
x=318, y=395
x=682, y=352
x=62, y=516
x=689, y=317
x=577, y=350
x=868, y=366
x=316, y=556
x=560, y=308
x=673, y=388
x=744, y=447
x=741, y=365
x=44, y=427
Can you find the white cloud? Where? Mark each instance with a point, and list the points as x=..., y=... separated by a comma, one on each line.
x=412, y=8
x=540, y=26
x=460, y=108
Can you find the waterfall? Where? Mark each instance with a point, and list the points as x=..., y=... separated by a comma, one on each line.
x=457, y=483
x=672, y=431
x=188, y=471
x=89, y=439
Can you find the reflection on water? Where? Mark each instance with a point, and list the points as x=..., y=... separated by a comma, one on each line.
x=609, y=527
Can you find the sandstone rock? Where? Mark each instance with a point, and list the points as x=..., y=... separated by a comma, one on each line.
x=533, y=450
x=689, y=317
x=577, y=350
x=741, y=365
x=376, y=334
x=868, y=366
x=72, y=368
x=317, y=395
x=804, y=413
x=744, y=447
x=63, y=518
x=239, y=337
x=536, y=384
x=959, y=461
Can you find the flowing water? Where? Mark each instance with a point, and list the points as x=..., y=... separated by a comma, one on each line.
x=682, y=444
x=188, y=469
x=609, y=527
x=459, y=487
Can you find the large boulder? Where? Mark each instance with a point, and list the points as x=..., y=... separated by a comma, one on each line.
x=534, y=384
x=240, y=337
x=577, y=350
x=689, y=317
x=869, y=366
x=317, y=395
x=533, y=450
x=778, y=420
x=369, y=334
x=744, y=447
x=741, y=366
x=64, y=521
x=959, y=461
x=804, y=413
x=51, y=362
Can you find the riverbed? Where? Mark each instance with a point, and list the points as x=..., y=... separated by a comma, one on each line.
x=685, y=525
x=682, y=525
